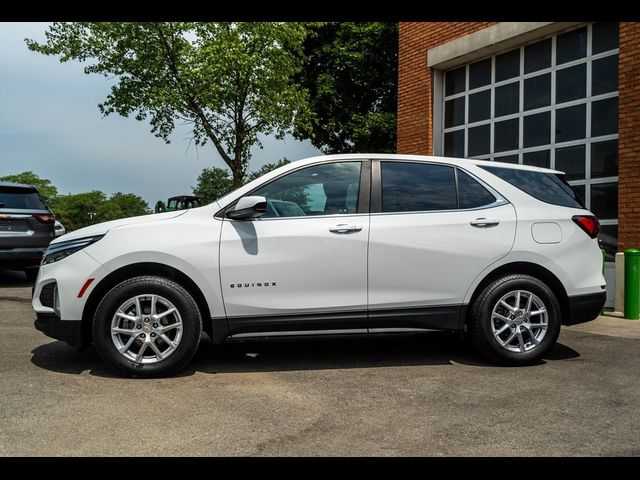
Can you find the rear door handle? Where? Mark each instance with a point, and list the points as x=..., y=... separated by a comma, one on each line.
x=484, y=222
x=344, y=228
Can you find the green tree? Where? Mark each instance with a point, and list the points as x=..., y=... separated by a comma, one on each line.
x=230, y=81
x=351, y=72
x=129, y=204
x=213, y=183
x=266, y=169
x=44, y=186
x=80, y=209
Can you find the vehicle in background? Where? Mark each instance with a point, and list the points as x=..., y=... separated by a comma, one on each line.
x=59, y=229
x=26, y=228
x=180, y=202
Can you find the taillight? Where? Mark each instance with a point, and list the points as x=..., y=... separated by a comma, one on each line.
x=588, y=223
x=47, y=218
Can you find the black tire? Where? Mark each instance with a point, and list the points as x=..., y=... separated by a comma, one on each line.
x=31, y=273
x=178, y=296
x=479, y=324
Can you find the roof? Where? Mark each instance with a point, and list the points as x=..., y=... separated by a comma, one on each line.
x=424, y=158
x=17, y=185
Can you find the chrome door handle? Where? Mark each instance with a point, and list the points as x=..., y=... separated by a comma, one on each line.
x=344, y=228
x=484, y=222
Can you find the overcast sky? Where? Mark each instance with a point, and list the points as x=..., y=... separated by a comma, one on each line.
x=50, y=123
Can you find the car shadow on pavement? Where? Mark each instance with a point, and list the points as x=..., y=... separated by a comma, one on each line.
x=294, y=354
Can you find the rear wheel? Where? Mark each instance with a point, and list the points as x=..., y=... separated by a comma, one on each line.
x=515, y=320
x=147, y=327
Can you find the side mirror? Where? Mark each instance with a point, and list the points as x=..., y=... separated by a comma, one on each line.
x=248, y=207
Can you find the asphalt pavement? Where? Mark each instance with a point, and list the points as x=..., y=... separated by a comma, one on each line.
x=425, y=395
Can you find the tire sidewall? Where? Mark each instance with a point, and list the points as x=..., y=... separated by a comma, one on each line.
x=179, y=297
x=553, y=311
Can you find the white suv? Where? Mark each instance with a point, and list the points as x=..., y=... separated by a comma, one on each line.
x=342, y=244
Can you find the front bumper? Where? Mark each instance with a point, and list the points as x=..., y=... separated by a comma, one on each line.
x=69, y=331
x=584, y=308
x=70, y=274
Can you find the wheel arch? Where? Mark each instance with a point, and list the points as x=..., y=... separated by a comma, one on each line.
x=525, y=268
x=136, y=270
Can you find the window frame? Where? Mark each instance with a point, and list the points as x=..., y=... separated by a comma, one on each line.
x=376, y=188
x=364, y=194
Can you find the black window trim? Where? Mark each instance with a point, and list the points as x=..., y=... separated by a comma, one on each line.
x=364, y=195
x=376, y=188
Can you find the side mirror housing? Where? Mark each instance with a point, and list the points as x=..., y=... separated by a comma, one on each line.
x=248, y=207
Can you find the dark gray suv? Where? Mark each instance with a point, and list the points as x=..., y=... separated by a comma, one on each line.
x=26, y=228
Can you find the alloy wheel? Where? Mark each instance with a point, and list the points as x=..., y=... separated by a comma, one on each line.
x=146, y=328
x=519, y=321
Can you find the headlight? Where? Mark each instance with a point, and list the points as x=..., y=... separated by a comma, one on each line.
x=62, y=250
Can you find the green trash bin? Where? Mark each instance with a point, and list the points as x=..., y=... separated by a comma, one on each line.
x=632, y=284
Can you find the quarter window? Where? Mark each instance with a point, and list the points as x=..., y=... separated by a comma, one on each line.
x=327, y=189
x=471, y=194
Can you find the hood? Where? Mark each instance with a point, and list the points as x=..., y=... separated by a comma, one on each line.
x=102, y=228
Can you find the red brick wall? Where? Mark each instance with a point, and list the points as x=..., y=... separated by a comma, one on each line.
x=629, y=130
x=415, y=95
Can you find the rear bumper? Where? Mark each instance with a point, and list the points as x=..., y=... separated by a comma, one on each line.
x=21, y=257
x=584, y=308
x=69, y=331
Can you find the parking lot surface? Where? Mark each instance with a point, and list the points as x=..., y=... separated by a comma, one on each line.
x=424, y=394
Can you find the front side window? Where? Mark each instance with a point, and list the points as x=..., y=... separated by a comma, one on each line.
x=327, y=189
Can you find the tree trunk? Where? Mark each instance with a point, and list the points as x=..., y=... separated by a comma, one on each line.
x=238, y=178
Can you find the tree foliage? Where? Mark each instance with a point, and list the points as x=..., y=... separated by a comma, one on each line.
x=230, y=81
x=44, y=186
x=214, y=183
x=351, y=74
x=78, y=210
x=266, y=169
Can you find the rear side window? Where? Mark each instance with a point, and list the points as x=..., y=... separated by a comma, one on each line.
x=471, y=194
x=547, y=187
x=414, y=187
x=21, y=198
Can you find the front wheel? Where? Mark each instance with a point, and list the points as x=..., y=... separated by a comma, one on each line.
x=515, y=320
x=147, y=327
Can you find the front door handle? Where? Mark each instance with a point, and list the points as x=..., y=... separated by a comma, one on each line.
x=484, y=222
x=344, y=228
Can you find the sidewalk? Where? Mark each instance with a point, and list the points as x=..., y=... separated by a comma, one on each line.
x=610, y=325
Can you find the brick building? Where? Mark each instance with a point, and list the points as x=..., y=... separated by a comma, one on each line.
x=564, y=95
